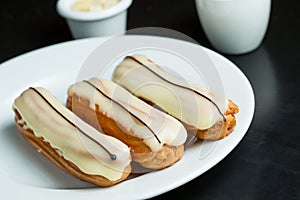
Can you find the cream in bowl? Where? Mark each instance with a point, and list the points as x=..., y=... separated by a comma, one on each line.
x=93, y=5
x=92, y=18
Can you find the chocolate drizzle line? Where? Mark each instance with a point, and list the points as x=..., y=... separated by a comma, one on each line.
x=191, y=89
x=112, y=156
x=124, y=109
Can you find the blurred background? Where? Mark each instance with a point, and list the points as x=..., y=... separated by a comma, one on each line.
x=33, y=24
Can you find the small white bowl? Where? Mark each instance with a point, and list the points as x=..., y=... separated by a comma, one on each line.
x=105, y=22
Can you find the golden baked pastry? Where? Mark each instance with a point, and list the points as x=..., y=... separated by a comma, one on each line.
x=208, y=115
x=70, y=143
x=156, y=140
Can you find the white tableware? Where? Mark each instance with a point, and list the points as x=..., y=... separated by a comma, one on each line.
x=234, y=26
x=26, y=174
x=110, y=21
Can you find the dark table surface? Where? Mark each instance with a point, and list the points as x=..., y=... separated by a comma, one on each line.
x=266, y=163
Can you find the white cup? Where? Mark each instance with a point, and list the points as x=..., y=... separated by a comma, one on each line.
x=105, y=22
x=234, y=26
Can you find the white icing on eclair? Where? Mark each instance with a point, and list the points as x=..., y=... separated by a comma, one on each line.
x=187, y=102
x=137, y=117
x=72, y=138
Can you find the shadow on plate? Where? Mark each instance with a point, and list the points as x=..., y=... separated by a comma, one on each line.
x=23, y=164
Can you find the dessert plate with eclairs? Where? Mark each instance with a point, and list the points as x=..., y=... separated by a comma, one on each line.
x=124, y=117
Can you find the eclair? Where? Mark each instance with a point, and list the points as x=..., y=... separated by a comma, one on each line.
x=208, y=115
x=156, y=140
x=69, y=142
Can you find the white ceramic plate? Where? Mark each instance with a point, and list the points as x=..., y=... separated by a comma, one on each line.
x=26, y=173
